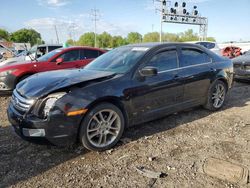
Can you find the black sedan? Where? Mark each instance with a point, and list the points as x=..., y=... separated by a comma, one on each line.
x=126, y=86
x=242, y=67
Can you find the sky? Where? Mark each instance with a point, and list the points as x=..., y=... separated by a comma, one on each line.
x=228, y=20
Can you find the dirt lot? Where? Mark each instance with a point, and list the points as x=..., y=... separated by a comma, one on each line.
x=176, y=145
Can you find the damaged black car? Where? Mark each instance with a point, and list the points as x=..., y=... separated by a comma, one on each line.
x=242, y=67
x=126, y=86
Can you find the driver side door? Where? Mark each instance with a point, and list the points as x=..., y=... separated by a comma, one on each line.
x=161, y=94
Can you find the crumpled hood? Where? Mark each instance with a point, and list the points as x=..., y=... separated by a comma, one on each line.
x=42, y=84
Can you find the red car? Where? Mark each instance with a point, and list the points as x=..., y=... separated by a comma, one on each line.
x=62, y=58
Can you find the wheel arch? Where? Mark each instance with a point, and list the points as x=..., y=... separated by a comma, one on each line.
x=108, y=99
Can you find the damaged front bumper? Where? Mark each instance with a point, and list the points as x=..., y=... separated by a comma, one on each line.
x=57, y=129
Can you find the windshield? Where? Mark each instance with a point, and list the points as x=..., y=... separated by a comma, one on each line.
x=47, y=56
x=119, y=60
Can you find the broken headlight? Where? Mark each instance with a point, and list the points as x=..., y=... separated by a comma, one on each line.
x=49, y=102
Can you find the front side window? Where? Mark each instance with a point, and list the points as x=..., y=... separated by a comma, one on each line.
x=69, y=56
x=191, y=57
x=163, y=61
x=49, y=55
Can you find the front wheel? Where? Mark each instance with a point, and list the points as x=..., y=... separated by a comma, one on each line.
x=102, y=127
x=216, y=96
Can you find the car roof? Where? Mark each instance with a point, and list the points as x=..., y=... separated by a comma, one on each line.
x=80, y=47
x=158, y=44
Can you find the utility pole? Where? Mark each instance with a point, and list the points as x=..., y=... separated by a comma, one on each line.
x=56, y=34
x=162, y=9
x=95, y=18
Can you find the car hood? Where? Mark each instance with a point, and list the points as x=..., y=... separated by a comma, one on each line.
x=12, y=64
x=42, y=84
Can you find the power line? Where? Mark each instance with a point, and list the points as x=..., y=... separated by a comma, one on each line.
x=95, y=17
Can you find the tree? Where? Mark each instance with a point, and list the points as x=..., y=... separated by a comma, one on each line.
x=170, y=37
x=151, y=37
x=134, y=37
x=4, y=34
x=117, y=41
x=71, y=42
x=104, y=40
x=212, y=39
x=188, y=35
x=87, y=39
x=26, y=35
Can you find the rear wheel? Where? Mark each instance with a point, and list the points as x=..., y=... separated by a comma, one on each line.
x=102, y=127
x=216, y=96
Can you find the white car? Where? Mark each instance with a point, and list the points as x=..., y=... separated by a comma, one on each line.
x=34, y=53
x=213, y=46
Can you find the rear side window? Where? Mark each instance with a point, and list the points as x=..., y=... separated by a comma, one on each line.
x=208, y=45
x=191, y=57
x=166, y=60
x=90, y=54
x=53, y=48
x=72, y=55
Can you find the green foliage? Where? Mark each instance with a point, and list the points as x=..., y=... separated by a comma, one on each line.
x=134, y=37
x=118, y=41
x=87, y=39
x=188, y=35
x=26, y=35
x=170, y=37
x=212, y=39
x=71, y=42
x=151, y=37
x=104, y=40
x=4, y=34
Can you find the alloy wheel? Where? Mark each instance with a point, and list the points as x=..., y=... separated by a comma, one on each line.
x=218, y=96
x=103, y=128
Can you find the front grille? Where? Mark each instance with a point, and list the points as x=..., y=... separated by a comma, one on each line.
x=20, y=103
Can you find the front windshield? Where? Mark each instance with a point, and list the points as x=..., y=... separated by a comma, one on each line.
x=119, y=60
x=47, y=56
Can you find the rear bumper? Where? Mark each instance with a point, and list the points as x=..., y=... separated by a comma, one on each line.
x=56, y=130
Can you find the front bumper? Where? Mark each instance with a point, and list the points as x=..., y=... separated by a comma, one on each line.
x=57, y=129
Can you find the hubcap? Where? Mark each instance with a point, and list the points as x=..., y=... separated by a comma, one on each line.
x=218, y=95
x=103, y=128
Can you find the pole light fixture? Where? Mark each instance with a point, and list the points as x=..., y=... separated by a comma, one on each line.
x=180, y=14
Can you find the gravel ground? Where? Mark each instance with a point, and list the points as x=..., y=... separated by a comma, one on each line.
x=176, y=145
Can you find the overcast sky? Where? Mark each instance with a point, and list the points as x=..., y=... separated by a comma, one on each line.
x=228, y=20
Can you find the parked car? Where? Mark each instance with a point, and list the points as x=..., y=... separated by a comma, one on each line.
x=125, y=86
x=213, y=46
x=63, y=58
x=32, y=54
x=231, y=51
x=242, y=67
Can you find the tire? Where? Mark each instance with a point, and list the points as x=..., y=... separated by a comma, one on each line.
x=211, y=104
x=99, y=134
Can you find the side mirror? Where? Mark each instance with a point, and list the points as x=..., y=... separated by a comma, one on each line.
x=148, y=71
x=59, y=61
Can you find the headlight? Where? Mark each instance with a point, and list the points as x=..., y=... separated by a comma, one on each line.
x=50, y=101
x=5, y=73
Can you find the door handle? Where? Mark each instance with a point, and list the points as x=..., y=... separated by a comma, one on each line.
x=212, y=70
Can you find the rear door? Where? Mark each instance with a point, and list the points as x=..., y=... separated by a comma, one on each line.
x=195, y=74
